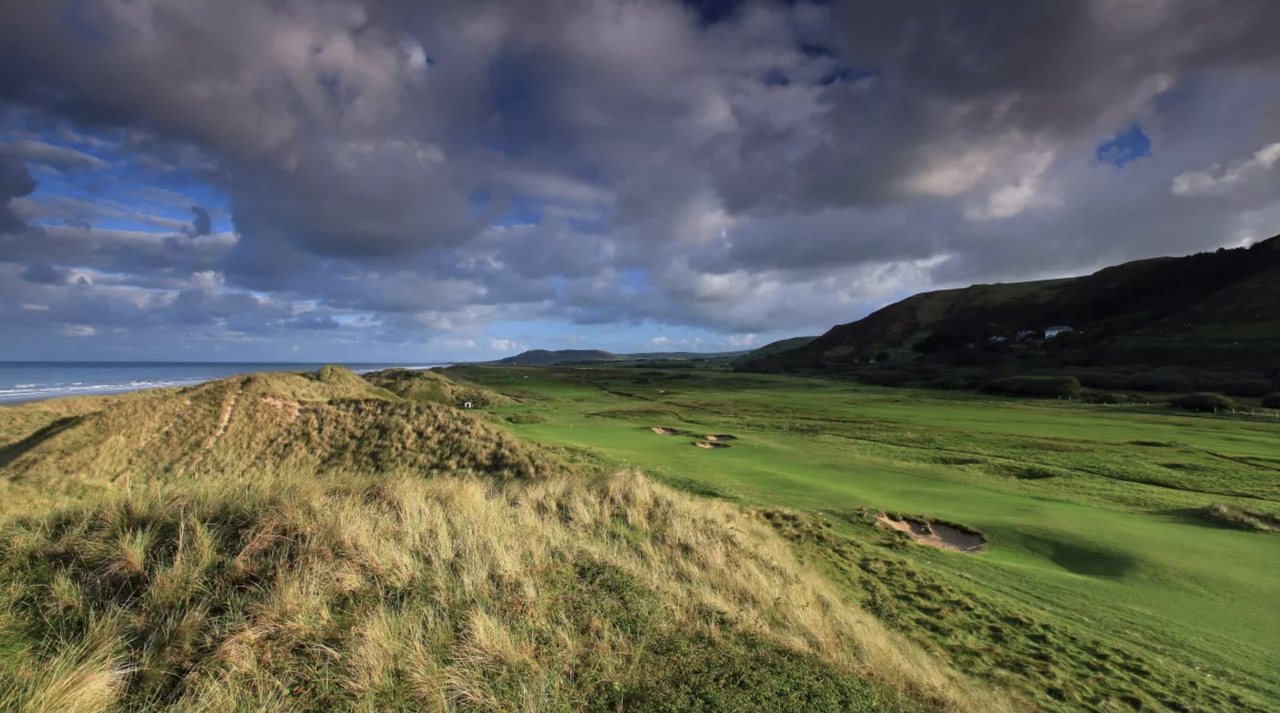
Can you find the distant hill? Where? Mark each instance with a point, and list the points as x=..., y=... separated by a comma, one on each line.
x=535, y=357
x=782, y=345
x=1217, y=308
x=539, y=357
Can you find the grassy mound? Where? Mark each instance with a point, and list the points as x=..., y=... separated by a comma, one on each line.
x=331, y=420
x=303, y=593
x=432, y=386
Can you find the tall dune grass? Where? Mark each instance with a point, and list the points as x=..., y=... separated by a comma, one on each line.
x=298, y=593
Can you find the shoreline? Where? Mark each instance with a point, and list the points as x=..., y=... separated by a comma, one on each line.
x=126, y=383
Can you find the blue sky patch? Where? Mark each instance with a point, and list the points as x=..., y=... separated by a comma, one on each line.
x=1125, y=147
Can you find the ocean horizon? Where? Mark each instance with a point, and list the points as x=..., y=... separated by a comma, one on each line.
x=24, y=381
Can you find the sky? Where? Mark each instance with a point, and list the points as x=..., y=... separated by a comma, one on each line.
x=439, y=180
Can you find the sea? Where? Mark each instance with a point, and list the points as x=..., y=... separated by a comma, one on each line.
x=34, y=381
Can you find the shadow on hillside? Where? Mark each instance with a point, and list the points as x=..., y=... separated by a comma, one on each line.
x=1080, y=559
x=14, y=451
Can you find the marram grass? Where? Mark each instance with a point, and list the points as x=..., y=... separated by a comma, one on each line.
x=295, y=592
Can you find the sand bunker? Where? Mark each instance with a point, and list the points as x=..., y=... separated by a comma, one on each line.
x=665, y=431
x=722, y=437
x=936, y=534
x=708, y=444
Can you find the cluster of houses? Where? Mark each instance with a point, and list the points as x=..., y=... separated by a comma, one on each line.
x=1027, y=334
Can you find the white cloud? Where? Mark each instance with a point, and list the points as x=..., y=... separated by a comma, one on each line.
x=78, y=330
x=505, y=345
x=50, y=155
x=34, y=307
x=1217, y=179
x=454, y=344
x=1014, y=198
x=741, y=341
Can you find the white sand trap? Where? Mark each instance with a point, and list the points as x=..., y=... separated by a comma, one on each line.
x=944, y=536
x=708, y=444
x=722, y=437
x=665, y=431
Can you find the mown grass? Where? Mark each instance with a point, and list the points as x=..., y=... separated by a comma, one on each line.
x=364, y=551
x=1084, y=508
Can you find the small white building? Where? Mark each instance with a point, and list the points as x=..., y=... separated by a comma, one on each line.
x=1052, y=332
x=1026, y=334
x=999, y=339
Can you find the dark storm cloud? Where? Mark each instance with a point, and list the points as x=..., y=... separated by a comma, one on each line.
x=203, y=224
x=15, y=182
x=730, y=165
x=44, y=274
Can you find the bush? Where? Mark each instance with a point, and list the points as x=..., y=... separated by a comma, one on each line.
x=1203, y=402
x=1096, y=396
x=1044, y=386
x=1271, y=400
x=1169, y=382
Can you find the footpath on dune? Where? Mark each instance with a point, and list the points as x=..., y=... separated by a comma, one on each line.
x=318, y=542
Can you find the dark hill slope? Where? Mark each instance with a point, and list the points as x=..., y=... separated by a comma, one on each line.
x=1216, y=308
x=782, y=345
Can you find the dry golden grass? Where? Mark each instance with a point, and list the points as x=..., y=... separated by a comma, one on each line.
x=307, y=593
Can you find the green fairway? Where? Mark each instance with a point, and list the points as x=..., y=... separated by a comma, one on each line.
x=1090, y=512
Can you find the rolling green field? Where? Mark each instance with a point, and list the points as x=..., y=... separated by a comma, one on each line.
x=1102, y=587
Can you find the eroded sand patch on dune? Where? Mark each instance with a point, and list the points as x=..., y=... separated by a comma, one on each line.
x=664, y=431
x=709, y=444
x=936, y=534
x=721, y=437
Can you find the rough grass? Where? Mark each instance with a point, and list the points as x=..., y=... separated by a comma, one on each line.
x=302, y=593
x=1053, y=665
x=432, y=386
x=1240, y=518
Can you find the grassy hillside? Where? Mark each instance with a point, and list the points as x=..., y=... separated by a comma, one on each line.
x=782, y=345
x=434, y=386
x=331, y=420
x=1215, y=309
x=313, y=542
x=1127, y=565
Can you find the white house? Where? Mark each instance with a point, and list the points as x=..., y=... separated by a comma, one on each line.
x=1052, y=332
x=1026, y=334
x=999, y=339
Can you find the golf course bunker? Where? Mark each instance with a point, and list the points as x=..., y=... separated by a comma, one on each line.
x=710, y=444
x=664, y=431
x=936, y=534
x=721, y=437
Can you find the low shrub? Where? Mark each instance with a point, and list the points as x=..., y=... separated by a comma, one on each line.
x=1169, y=382
x=1043, y=386
x=1203, y=402
x=1271, y=400
x=1097, y=396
